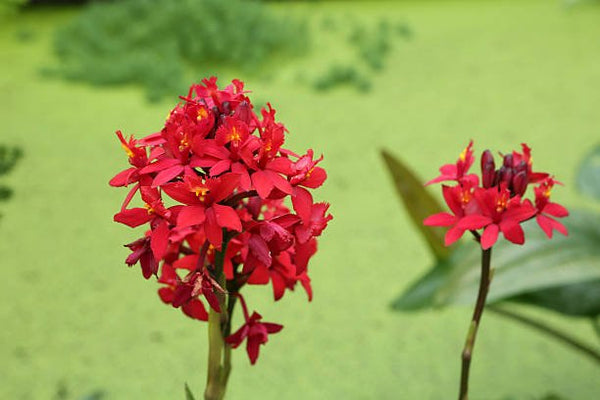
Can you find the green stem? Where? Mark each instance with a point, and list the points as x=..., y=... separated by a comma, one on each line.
x=467, y=353
x=219, y=352
x=550, y=331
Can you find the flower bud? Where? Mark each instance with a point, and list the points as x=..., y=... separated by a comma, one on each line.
x=508, y=161
x=521, y=167
x=505, y=176
x=488, y=169
x=243, y=112
x=519, y=183
x=226, y=108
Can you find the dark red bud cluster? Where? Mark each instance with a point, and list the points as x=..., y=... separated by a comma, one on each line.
x=514, y=177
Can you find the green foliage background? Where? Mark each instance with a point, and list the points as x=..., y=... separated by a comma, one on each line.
x=76, y=321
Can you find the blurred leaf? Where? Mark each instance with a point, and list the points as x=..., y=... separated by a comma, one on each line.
x=8, y=158
x=419, y=203
x=588, y=176
x=578, y=299
x=5, y=193
x=188, y=393
x=539, y=265
x=95, y=395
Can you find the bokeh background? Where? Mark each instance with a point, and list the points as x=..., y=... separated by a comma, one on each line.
x=420, y=78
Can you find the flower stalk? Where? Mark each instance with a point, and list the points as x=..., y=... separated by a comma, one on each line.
x=489, y=206
x=467, y=353
x=219, y=352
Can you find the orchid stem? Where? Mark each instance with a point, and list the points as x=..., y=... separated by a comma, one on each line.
x=219, y=352
x=550, y=331
x=467, y=353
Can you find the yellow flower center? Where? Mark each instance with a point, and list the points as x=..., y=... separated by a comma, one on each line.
x=465, y=197
x=234, y=135
x=202, y=113
x=200, y=192
x=149, y=208
x=501, y=204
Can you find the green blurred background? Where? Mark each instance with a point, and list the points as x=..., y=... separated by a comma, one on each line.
x=77, y=324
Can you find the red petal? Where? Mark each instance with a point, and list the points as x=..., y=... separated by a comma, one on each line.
x=188, y=262
x=316, y=179
x=556, y=210
x=190, y=215
x=220, y=167
x=262, y=184
x=223, y=186
x=166, y=295
x=260, y=276
x=122, y=178
x=272, y=328
x=306, y=285
x=259, y=248
x=159, y=165
x=133, y=217
x=474, y=222
x=302, y=202
x=195, y=309
x=252, y=347
x=166, y=175
x=213, y=231
x=159, y=240
x=453, y=235
x=280, y=182
x=440, y=219
x=245, y=181
x=489, y=237
x=278, y=285
x=238, y=337
x=513, y=232
x=227, y=217
x=548, y=225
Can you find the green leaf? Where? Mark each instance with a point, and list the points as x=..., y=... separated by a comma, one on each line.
x=419, y=203
x=578, y=299
x=188, y=393
x=588, y=175
x=538, y=266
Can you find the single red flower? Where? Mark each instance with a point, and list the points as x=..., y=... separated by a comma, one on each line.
x=458, y=171
x=546, y=209
x=499, y=213
x=253, y=331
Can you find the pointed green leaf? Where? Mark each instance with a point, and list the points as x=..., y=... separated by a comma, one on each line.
x=418, y=202
x=540, y=265
x=588, y=175
x=188, y=393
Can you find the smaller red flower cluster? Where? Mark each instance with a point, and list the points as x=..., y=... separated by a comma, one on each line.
x=212, y=184
x=496, y=204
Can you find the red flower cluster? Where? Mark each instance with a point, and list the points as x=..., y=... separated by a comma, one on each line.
x=212, y=184
x=497, y=204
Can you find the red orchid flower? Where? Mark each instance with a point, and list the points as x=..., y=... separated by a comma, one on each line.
x=253, y=331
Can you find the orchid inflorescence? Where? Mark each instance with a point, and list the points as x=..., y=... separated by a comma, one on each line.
x=213, y=183
x=495, y=203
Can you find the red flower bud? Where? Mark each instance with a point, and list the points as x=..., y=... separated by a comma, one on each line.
x=519, y=183
x=488, y=169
